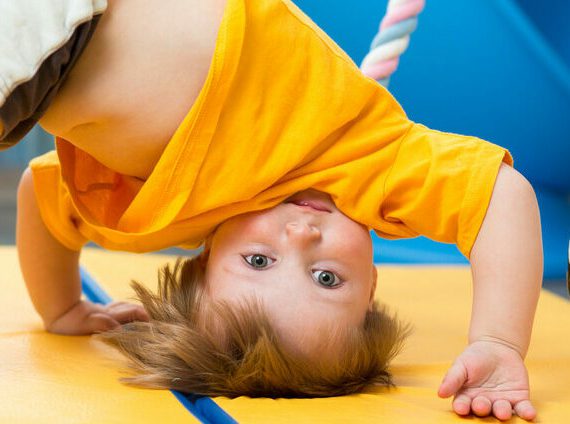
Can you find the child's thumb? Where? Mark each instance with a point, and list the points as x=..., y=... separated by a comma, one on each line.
x=453, y=381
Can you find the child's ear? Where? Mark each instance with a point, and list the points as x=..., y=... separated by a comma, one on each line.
x=203, y=257
x=205, y=254
x=374, y=277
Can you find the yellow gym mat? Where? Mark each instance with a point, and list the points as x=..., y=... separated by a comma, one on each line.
x=56, y=379
x=52, y=379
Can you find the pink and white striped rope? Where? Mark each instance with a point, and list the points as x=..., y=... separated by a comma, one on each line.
x=392, y=39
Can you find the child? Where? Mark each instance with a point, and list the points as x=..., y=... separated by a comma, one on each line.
x=286, y=158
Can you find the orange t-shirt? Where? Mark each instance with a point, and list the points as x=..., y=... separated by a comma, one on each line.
x=283, y=109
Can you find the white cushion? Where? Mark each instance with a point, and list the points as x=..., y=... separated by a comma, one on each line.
x=31, y=30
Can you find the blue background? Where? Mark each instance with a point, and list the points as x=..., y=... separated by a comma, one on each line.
x=495, y=69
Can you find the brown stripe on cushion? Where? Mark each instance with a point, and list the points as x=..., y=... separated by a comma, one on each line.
x=29, y=100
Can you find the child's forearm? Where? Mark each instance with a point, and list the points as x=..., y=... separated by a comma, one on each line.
x=507, y=264
x=50, y=270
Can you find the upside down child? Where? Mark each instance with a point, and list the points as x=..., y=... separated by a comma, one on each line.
x=240, y=126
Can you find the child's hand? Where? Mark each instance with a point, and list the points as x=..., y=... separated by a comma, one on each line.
x=489, y=378
x=87, y=318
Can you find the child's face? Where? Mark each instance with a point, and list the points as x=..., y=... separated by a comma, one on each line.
x=308, y=264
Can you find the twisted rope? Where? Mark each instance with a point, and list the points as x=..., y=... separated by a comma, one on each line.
x=392, y=40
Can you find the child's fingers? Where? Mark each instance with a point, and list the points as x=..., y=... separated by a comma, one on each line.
x=481, y=406
x=99, y=322
x=462, y=404
x=525, y=410
x=127, y=312
x=453, y=381
x=114, y=305
x=502, y=409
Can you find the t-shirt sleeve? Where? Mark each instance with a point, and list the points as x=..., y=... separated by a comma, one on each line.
x=54, y=201
x=439, y=185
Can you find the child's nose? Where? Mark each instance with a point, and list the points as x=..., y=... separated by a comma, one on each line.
x=302, y=232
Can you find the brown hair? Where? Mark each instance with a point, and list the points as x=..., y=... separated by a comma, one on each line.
x=177, y=350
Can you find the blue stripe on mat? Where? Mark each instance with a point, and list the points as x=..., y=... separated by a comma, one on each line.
x=203, y=408
x=92, y=290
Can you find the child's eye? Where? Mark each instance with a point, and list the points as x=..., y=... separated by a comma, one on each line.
x=326, y=278
x=258, y=261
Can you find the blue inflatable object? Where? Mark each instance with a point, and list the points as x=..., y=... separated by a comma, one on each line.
x=497, y=69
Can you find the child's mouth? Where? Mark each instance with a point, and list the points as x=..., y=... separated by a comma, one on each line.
x=312, y=199
x=314, y=204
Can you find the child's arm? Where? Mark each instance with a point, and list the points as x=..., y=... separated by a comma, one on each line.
x=489, y=377
x=51, y=273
